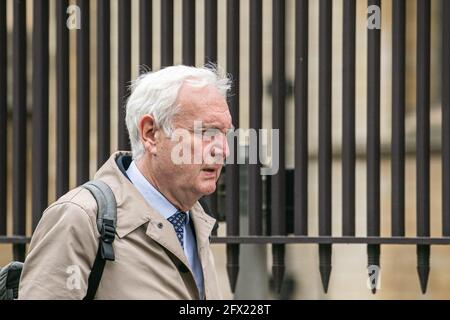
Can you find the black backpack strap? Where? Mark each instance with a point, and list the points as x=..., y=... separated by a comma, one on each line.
x=106, y=225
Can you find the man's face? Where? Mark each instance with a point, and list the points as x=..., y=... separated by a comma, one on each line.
x=203, y=119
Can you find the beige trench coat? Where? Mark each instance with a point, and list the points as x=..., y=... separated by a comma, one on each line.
x=150, y=263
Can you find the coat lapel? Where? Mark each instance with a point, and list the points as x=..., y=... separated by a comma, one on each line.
x=203, y=225
x=161, y=231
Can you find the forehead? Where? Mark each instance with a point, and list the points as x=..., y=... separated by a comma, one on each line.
x=204, y=104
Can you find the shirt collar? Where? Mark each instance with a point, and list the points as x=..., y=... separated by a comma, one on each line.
x=153, y=197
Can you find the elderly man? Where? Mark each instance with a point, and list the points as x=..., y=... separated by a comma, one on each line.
x=162, y=248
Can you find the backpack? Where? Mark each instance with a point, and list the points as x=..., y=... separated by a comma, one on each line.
x=106, y=225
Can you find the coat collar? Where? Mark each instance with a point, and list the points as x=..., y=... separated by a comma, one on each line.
x=133, y=211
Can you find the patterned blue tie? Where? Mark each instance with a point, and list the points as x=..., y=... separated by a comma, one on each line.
x=178, y=219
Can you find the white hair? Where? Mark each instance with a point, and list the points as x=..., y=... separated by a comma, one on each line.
x=155, y=94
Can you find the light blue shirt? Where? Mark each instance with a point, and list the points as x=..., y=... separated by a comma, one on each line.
x=158, y=202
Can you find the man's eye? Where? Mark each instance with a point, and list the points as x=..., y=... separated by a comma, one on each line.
x=211, y=132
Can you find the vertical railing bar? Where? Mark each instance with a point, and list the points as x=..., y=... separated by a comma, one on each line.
x=423, y=138
x=373, y=142
x=62, y=99
x=325, y=51
x=103, y=79
x=211, y=58
x=398, y=119
x=278, y=201
x=19, y=126
x=124, y=77
x=3, y=118
x=40, y=110
x=301, y=118
x=255, y=63
x=145, y=35
x=232, y=170
x=188, y=33
x=83, y=94
x=445, y=93
x=211, y=31
x=166, y=33
x=348, y=118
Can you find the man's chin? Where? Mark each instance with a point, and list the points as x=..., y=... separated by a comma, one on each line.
x=208, y=189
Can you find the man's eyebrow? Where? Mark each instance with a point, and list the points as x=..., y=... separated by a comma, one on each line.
x=216, y=126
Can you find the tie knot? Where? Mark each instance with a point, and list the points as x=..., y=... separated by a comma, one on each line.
x=178, y=220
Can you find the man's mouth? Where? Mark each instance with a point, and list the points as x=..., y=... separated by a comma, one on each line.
x=210, y=170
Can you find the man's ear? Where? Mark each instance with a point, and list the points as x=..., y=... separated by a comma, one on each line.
x=148, y=132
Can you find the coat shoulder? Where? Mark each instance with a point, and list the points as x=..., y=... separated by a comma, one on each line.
x=65, y=237
x=79, y=199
